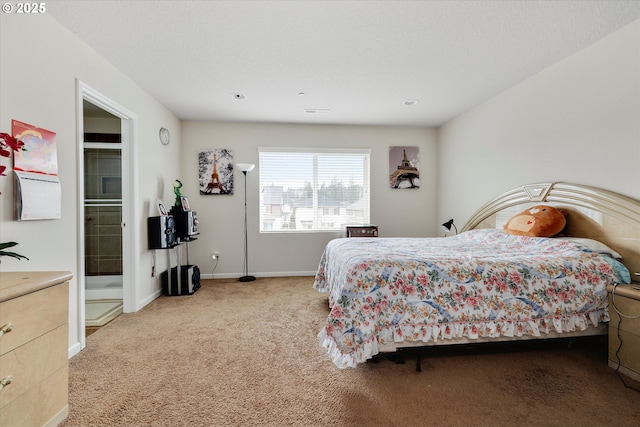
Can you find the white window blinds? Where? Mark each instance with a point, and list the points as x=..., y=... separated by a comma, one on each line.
x=313, y=189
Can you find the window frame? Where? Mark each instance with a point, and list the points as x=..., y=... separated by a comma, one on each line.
x=316, y=226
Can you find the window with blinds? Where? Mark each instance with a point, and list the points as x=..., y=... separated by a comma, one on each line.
x=303, y=190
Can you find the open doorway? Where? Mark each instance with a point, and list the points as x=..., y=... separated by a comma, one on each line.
x=105, y=271
x=102, y=216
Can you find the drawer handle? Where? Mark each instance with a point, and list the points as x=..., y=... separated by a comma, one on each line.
x=5, y=381
x=6, y=328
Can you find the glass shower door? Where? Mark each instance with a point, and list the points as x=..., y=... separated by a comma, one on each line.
x=103, y=219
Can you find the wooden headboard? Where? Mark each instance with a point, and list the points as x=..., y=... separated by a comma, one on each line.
x=603, y=215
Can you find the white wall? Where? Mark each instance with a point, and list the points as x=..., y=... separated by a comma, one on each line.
x=577, y=121
x=40, y=62
x=406, y=212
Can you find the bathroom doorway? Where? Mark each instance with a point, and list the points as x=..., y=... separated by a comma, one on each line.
x=102, y=147
x=105, y=262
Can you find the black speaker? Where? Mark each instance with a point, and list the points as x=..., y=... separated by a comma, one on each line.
x=161, y=232
x=186, y=224
x=189, y=280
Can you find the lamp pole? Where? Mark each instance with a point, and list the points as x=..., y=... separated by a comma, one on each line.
x=245, y=168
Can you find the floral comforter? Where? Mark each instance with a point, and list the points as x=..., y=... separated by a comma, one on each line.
x=481, y=283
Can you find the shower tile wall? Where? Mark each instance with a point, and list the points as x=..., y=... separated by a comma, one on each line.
x=103, y=241
x=103, y=233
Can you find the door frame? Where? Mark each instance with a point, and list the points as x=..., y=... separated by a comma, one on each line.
x=128, y=124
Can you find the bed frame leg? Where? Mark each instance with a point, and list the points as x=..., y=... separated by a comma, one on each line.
x=397, y=357
x=418, y=359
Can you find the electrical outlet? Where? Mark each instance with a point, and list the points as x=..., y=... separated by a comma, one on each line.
x=215, y=255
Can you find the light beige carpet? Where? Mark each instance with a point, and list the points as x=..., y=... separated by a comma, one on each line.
x=101, y=312
x=246, y=354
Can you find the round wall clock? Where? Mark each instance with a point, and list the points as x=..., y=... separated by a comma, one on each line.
x=165, y=137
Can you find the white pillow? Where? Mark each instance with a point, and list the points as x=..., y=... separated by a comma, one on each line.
x=595, y=246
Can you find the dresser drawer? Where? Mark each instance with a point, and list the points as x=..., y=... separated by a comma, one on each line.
x=45, y=404
x=628, y=307
x=629, y=354
x=33, y=315
x=33, y=362
x=625, y=328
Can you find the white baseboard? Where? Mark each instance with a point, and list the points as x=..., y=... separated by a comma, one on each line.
x=74, y=349
x=147, y=300
x=276, y=274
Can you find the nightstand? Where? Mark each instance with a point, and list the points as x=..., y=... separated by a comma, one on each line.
x=368, y=230
x=627, y=301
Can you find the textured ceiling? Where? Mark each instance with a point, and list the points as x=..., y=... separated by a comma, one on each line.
x=356, y=62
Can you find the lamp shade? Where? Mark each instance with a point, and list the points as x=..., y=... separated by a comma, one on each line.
x=245, y=167
x=447, y=225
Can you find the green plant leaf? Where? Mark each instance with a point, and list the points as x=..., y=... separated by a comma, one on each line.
x=6, y=245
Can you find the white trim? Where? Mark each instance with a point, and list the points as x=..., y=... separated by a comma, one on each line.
x=149, y=299
x=74, y=349
x=313, y=150
x=104, y=145
x=129, y=192
x=258, y=275
x=80, y=321
x=274, y=165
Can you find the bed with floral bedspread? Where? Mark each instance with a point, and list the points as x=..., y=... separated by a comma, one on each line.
x=479, y=284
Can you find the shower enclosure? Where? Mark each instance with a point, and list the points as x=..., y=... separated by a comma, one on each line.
x=103, y=219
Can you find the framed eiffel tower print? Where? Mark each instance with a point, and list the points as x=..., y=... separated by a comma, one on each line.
x=403, y=167
x=215, y=168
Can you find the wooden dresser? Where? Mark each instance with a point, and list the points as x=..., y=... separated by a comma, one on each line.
x=34, y=342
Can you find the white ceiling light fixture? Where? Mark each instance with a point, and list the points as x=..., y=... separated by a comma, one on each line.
x=238, y=95
x=411, y=102
x=316, y=110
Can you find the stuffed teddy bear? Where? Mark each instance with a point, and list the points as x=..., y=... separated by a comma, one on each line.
x=537, y=221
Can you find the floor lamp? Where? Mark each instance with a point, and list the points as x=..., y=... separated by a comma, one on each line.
x=245, y=168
